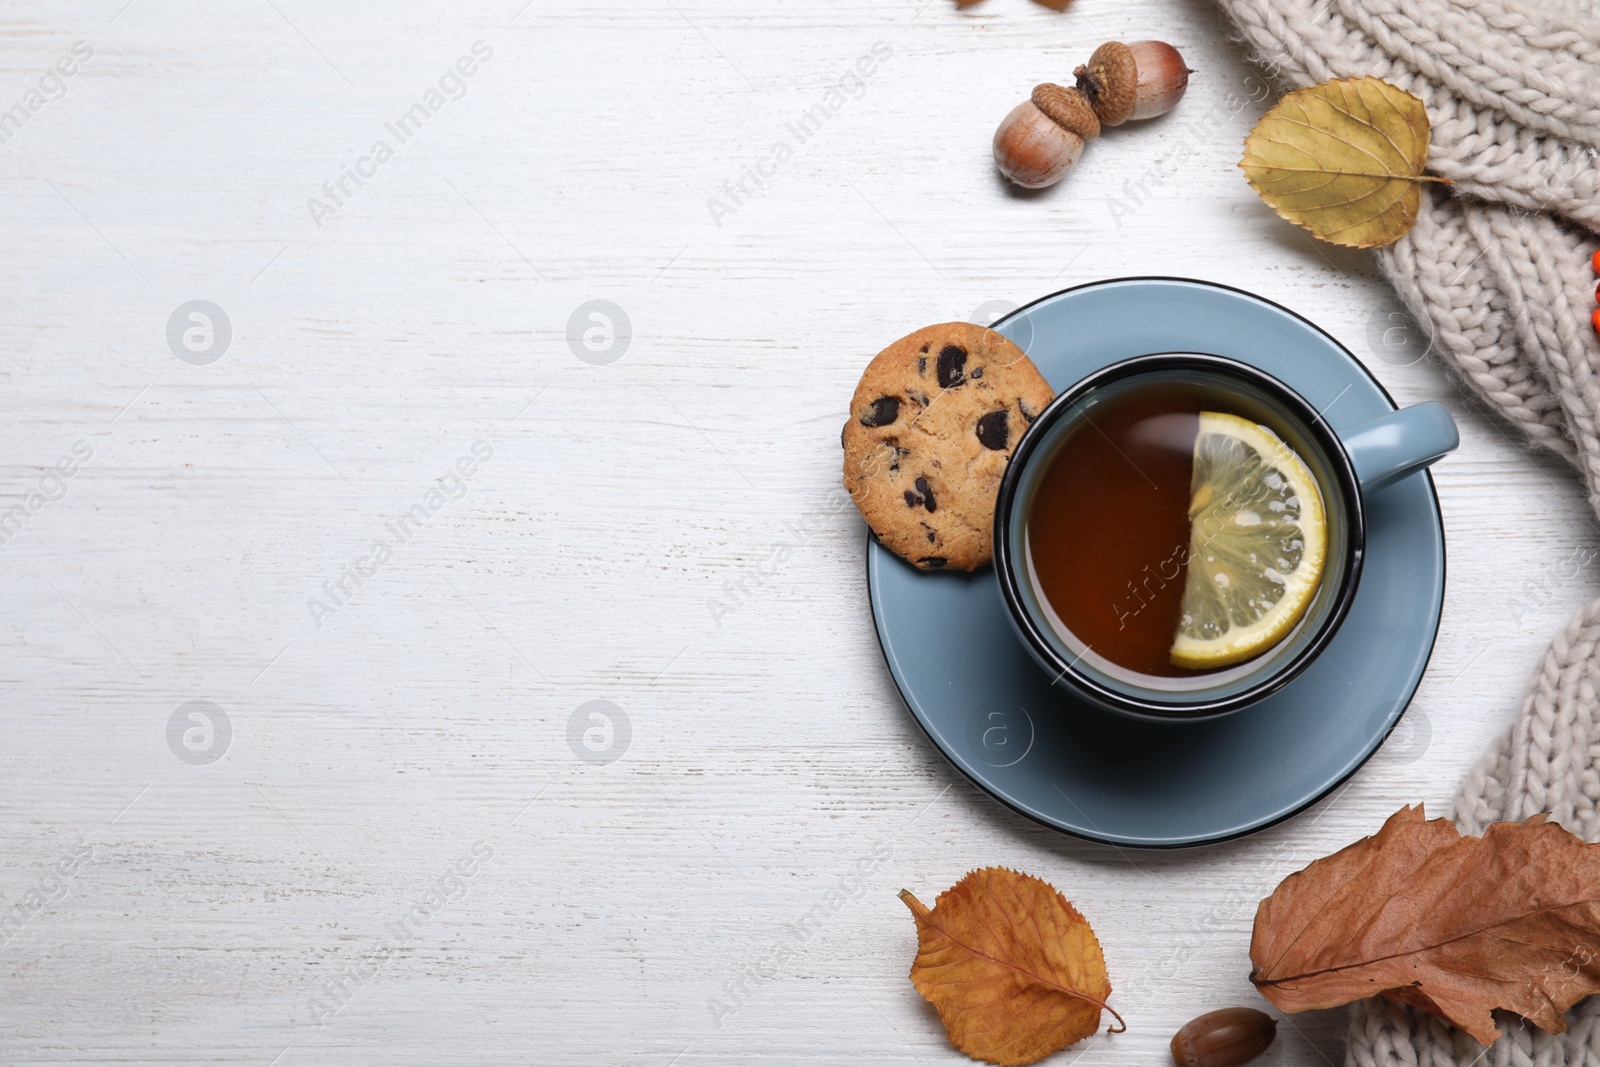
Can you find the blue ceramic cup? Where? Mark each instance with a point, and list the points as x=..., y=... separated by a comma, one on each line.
x=1349, y=467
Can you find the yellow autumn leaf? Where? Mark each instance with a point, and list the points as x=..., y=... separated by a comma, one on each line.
x=1343, y=159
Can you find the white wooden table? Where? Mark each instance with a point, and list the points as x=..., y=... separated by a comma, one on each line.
x=398, y=848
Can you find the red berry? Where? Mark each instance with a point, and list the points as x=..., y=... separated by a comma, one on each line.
x=1595, y=262
x=1594, y=317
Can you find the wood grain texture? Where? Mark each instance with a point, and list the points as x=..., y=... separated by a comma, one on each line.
x=691, y=902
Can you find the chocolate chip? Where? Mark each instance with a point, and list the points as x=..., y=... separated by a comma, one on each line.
x=993, y=433
x=924, y=348
x=932, y=562
x=921, y=398
x=922, y=363
x=885, y=410
x=978, y=373
x=952, y=364
x=923, y=496
x=1029, y=415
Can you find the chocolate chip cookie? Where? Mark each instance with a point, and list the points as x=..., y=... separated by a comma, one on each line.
x=931, y=429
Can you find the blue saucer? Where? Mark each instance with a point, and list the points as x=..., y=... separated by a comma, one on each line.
x=1047, y=754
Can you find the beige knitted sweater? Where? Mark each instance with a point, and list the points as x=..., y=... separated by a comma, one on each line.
x=1497, y=268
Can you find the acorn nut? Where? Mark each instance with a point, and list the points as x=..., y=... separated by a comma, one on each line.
x=1225, y=1038
x=1040, y=140
x=1043, y=137
x=1133, y=81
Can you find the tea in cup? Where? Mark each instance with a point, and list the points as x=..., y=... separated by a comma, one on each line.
x=1179, y=535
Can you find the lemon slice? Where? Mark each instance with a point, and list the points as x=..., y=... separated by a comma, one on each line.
x=1257, y=542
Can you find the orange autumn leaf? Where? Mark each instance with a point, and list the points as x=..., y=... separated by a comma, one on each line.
x=1015, y=972
x=1456, y=926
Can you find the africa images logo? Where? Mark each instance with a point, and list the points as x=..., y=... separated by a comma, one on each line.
x=452, y=85
x=449, y=486
x=51, y=85
x=851, y=85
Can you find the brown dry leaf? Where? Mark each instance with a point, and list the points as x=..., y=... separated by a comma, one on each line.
x=1454, y=925
x=1014, y=970
x=1343, y=159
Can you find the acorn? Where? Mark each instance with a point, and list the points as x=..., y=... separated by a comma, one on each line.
x=1225, y=1038
x=1042, y=137
x=1040, y=140
x=1133, y=81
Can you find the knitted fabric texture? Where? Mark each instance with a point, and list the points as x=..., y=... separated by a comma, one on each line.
x=1497, y=270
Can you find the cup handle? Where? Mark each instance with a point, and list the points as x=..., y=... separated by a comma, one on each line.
x=1390, y=447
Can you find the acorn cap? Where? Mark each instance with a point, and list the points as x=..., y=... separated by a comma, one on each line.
x=1109, y=81
x=1067, y=108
